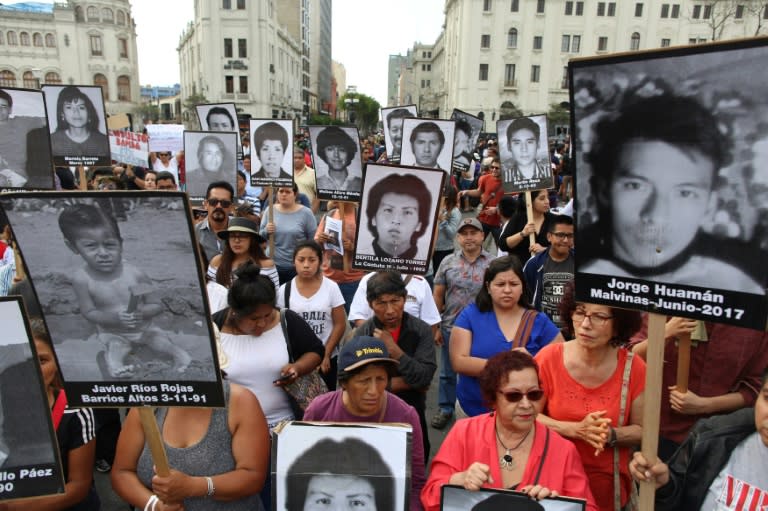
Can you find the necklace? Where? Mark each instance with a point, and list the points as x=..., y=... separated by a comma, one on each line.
x=507, y=462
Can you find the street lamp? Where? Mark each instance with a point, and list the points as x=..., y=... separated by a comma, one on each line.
x=351, y=109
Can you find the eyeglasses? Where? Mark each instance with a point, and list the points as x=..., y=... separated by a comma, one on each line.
x=596, y=318
x=516, y=397
x=237, y=236
x=216, y=202
x=495, y=167
x=562, y=235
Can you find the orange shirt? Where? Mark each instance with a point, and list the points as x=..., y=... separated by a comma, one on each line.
x=333, y=262
x=569, y=400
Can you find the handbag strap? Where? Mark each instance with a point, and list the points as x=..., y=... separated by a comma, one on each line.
x=620, y=423
x=524, y=329
x=543, y=455
x=287, y=294
x=284, y=326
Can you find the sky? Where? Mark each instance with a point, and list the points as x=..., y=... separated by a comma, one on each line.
x=365, y=33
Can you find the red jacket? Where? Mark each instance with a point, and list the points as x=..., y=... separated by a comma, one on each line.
x=474, y=439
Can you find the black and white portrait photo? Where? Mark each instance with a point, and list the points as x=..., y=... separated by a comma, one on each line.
x=26, y=430
x=397, y=218
x=220, y=117
x=523, y=152
x=392, y=120
x=466, y=133
x=123, y=299
x=427, y=143
x=272, y=152
x=78, y=125
x=25, y=149
x=670, y=205
x=456, y=498
x=338, y=165
x=325, y=466
x=208, y=157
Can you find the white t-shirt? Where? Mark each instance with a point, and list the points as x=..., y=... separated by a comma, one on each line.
x=173, y=167
x=316, y=309
x=217, y=296
x=255, y=363
x=419, y=301
x=742, y=484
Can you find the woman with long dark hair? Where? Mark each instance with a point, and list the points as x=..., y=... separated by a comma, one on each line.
x=243, y=244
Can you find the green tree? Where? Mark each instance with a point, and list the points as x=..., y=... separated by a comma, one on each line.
x=558, y=116
x=147, y=112
x=190, y=113
x=362, y=111
x=323, y=120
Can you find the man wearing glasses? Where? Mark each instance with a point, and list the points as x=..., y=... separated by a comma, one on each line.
x=218, y=204
x=489, y=189
x=548, y=272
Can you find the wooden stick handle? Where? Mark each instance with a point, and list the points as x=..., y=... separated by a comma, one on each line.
x=683, y=362
x=347, y=258
x=81, y=176
x=654, y=360
x=271, y=219
x=155, y=442
x=529, y=213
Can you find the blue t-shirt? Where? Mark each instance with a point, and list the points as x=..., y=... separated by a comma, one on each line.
x=487, y=340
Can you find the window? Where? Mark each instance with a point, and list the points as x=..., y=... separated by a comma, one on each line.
x=229, y=84
x=79, y=13
x=423, y=83
x=243, y=84
x=512, y=38
x=2, y=39
x=601, y=8
x=93, y=13
x=7, y=78
x=101, y=80
x=226, y=4
x=120, y=18
x=538, y=42
x=485, y=41
x=11, y=36
x=52, y=77
x=426, y=67
x=96, y=49
x=483, y=72
x=29, y=81
x=575, y=44
x=568, y=8
x=765, y=13
x=540, y=7
x=241, y=6
x=611, y=8
x=665, y=10
x=515, y=7
x=535, y=74
x=107, y=15
x=666, y=43
x=24, y=38
x=634, y=42
x=565, y=44
x=739, y=12
x=487, y=5
x=122, y=47
x=227, y=48
x=602, y=43
x=509, y=75
x=123, y=88
x=696, y=13
x=707, y=12
x=676, y=10
x=564, y=82
x=638, y=10
x=579, y=8
x=242, y=48
x=37, y=39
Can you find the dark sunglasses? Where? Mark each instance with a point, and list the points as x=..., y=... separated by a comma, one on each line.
x=516, y=397
x=216, y=202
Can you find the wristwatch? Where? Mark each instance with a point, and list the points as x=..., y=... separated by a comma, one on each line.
x=612, y=438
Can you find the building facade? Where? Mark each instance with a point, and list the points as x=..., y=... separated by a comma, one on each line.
x=497, y=58
x=79, y=42
x=257, y=55
x=320, y=67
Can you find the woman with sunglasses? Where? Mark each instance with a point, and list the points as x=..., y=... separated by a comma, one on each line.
x=507, y=448
x=583, y=381
x=243, y=244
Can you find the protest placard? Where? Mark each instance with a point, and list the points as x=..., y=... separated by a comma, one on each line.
x=165, y=137
x=129, y=148
x=456, y=498
x=271, y=152
x=338, y=165
x=392, y=119
x=524, y=156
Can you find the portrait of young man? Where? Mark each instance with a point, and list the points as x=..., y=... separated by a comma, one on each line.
x=425, y=143
x=523, y=145
x=392, y=119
